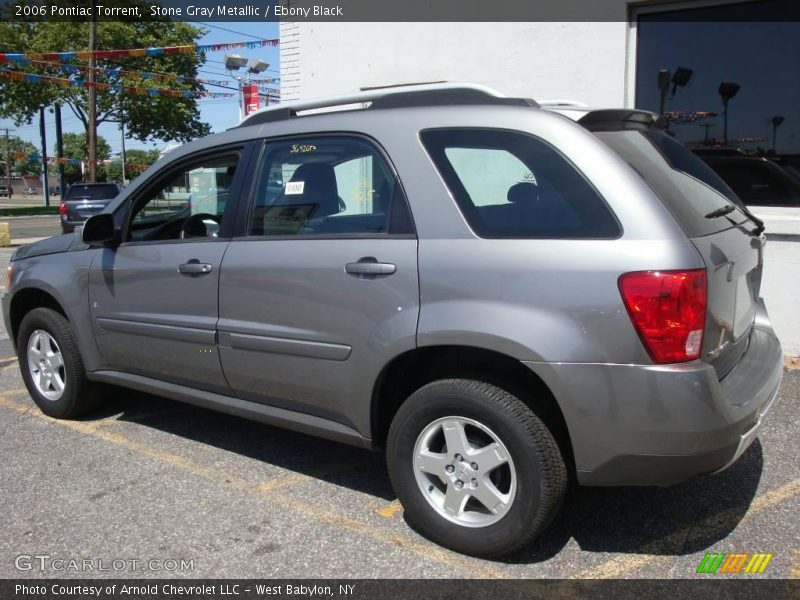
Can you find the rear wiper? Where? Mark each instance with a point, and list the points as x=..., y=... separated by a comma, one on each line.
x=726, y=210
x=721, y=211
x=759, y=223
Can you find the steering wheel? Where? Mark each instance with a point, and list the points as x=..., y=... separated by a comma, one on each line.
x=194, y=226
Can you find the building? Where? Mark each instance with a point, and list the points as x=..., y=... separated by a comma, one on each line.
x=613, y=63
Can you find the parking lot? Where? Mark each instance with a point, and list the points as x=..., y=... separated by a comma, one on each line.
x=147, y=479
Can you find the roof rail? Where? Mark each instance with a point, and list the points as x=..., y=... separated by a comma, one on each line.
x=564, y=103
x=433, y=94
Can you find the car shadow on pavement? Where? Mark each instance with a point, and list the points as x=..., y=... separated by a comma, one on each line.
x=677, y=520
x=347, y=466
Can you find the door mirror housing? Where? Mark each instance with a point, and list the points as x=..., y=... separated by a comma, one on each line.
x=100, y=230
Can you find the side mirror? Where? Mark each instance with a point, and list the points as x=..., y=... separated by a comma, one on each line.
x=99, y=230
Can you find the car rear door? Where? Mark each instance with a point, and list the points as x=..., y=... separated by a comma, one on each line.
x=319, y=288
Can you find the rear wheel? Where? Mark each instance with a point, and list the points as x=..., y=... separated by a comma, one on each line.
x=475, y=469
x=52, y=367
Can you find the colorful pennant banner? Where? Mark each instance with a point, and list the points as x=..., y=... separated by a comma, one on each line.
x=115, y=72
x=54, y=160
x=110, y=87
x=21, y=57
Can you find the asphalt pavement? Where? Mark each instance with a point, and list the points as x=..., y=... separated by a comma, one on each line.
x=29, y=228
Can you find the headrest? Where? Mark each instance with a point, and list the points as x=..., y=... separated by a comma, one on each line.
x=523, y=192
x=318, y=178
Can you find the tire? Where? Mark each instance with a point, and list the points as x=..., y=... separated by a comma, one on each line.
x=532, y=481
x=77, y=394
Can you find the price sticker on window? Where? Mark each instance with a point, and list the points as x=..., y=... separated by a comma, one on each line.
x=294, y=187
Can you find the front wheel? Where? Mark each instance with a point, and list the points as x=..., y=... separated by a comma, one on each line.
x=52, y=367
x=475, y=469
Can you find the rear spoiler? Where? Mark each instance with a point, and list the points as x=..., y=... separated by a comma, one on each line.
x=620, y=119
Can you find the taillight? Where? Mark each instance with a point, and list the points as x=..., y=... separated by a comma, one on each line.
x=668, y=309
x=62, y=209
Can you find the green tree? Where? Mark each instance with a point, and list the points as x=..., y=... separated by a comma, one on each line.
x=146, y=117
x=134, y=158
x=22, y=166
x=75, y=146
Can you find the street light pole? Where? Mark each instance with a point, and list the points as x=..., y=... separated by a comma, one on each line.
x=776, y=122
x=727, y=90
x=663, y=86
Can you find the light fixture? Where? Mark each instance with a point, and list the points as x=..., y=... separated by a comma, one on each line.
x=681, y=78
x=234, y=62
x=257, y=65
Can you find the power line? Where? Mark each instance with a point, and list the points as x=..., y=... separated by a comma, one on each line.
x=228, y=30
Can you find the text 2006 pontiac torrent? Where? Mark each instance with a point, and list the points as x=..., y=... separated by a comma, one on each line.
x=500, y=295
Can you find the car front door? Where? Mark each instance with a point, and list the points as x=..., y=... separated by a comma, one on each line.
x=319, y=291
x=153, y=298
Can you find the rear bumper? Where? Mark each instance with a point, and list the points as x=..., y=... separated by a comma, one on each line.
x=662, y=424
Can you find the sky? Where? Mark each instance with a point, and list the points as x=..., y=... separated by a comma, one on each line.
x=221, y=113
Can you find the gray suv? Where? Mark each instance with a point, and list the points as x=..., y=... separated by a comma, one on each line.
x=84, y=200
x=502, y=296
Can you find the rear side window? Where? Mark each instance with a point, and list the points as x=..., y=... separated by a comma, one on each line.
x=327, y=186
x=513, y=185
x=687, y=186
x=93, y=192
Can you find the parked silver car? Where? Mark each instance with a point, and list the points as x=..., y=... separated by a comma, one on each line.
x=498, y=296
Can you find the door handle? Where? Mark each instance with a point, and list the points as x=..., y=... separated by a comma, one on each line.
x=369, y=267
x=194, y=267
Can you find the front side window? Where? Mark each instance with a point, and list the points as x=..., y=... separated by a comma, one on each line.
x=189, y=204
x=512, y=185
x=326, y=186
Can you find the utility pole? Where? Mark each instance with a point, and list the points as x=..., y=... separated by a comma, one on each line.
x=59, y=150
x=122, y=130
x=42, y=131
x=91, y=132
x=122, y=127
x=8, y=163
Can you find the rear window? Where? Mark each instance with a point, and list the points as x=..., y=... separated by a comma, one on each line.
x=92, y=192
x=687, y=186
x=513, y=185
